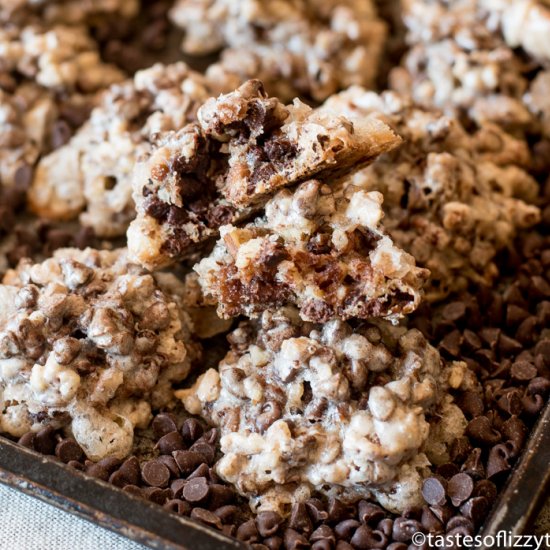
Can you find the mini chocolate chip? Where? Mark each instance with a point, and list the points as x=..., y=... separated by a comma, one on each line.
x=451, y=343
x=397, y=546
x=98, y=472
x=454, y=311
x=481, y=431
x=294, y=541
x=498, y=461
x=220, y=495
x=526, y=332
x=460, y=449
x=346, y=528
x=336, y=510
x=130, y=470
x=369, y=513
x=170, y=442
x=385, y=526
x=202, y=471
x=470, y=341
x=365, y=538
x=442, y=513
x=321, y=545
x=207, y=451
x=485, y=488
x=460, y=488
x=268, y=523
x=170, y=463
x=404, y=529
x=475, y=509
x=539, y=287
x=156, y=495
x=300, y=520
x=206, y=517
x=316, y=510
x=515, y=315
x=508, y=347
x=515, y=430
x=247, y=532
x=539, y=386
x=196, y=490
x=163, y=424
x=227, y=513
x=155, y=474
x=430, y=522
x=473, y=465
x=460, y=521
x=178, y=506
x=177, y=487
x=187, y=461
x=191, y=430
x=490, y=336
x=27, y=440
x=523, y=371
x=510, y=402
x=117, y=479
x=433, y=491
x=471, y=404
x=44, y=442
x=323, y=532
x=532, y=404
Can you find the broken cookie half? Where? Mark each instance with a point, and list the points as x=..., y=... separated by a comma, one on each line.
x=245, y=147
x=319, y=248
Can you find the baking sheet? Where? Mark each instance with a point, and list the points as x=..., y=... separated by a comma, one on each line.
x=515, y=510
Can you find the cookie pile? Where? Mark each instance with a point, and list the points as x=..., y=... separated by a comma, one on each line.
x=301, y=294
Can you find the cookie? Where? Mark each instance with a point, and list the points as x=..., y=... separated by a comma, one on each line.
x=245, y=146
x=452, y=199
x=90, y=342
x=306, y=48
x=458, y=63
x=303, y=407
x=319, y=247
x=91, y=176
x=49, y=80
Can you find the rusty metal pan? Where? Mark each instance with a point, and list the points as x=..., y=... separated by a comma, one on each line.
x=515, y=510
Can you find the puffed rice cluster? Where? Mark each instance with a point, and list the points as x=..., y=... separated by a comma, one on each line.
x=305, y=407
x=309, y=48
x=453, y=199
x=92, y=174
x=90, y=342
x=49, y=81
